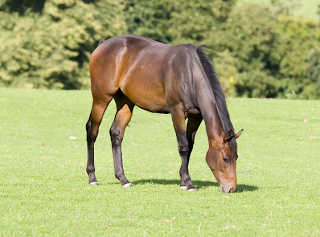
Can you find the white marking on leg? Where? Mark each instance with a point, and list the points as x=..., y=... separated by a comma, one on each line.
x=128, y=185
x=192, y=190
x=183, y=187
x=94, y=183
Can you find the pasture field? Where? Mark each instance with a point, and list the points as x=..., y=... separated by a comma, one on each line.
x=44, y=188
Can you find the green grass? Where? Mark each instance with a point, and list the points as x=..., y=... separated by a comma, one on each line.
x=44, y=190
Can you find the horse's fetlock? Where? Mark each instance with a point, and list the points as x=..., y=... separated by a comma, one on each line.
x=90, y=169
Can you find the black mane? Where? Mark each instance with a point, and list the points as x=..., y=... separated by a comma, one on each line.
x=216, y=89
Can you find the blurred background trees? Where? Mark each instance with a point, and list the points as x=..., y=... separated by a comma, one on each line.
x=259, y=50
x=48, y=44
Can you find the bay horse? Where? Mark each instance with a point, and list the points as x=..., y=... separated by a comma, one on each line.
x=160, y=78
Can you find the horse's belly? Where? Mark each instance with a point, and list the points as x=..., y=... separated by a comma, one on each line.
x=149, y=97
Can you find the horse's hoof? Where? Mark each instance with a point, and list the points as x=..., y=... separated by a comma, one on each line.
x=127, y=185
x=93, y=183
x=183, y=187
x=192, y=190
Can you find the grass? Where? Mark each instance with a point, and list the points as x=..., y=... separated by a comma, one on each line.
x=44, y=190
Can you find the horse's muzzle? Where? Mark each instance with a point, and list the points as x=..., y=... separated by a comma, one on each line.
x=227, y=190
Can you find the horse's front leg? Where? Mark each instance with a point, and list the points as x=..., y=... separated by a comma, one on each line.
x=192, y=127
x=178, y=120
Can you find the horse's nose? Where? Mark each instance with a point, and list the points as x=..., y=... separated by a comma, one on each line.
x=227, y=190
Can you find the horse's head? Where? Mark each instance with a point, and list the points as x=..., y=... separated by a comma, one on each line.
x=221, y=159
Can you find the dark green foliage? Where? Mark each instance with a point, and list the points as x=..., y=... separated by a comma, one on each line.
x=21, y=6
x=246, y=43
x=264, y=53
x=258, y=50
x=173, y=22
x=313, y=70
x=51, y=49
x=296, y=37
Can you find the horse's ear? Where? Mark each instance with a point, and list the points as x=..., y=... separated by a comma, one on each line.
x=238, y=134
x=228, y=136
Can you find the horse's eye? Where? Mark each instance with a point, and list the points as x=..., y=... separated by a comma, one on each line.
x=225, y=160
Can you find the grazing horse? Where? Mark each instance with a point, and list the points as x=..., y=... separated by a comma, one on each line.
x=161, y=78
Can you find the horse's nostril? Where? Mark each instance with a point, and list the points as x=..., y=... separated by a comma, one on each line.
x=231, y=190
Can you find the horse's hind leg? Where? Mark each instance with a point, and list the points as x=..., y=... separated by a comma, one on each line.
x=121, y=120
x=92, y=126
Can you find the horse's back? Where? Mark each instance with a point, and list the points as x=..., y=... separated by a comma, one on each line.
x=141, y=68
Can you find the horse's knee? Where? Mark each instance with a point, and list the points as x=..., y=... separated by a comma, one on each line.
x=183, y=149
x=90, y=169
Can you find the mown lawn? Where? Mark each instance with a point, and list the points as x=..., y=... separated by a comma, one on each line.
x=44, y=190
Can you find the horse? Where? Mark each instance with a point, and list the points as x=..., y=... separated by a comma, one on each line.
x=176, y=79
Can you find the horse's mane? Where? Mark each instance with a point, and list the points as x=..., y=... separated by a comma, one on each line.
x=216, y=89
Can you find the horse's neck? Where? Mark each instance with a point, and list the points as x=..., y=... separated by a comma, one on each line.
x=210, y=114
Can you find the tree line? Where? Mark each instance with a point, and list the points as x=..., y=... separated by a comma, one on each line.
x=258, y=50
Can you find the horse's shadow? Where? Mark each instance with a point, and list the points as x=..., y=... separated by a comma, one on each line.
x=197, y=183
